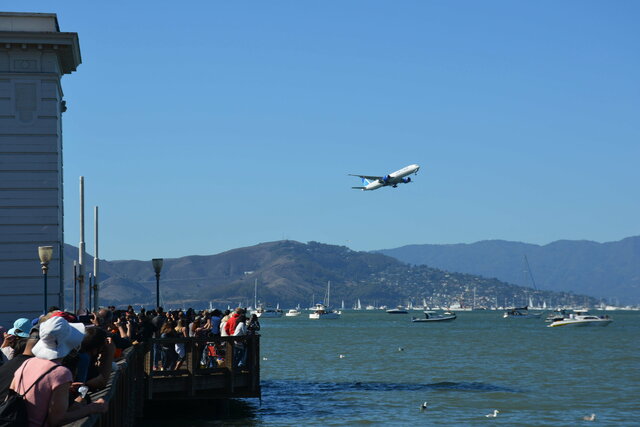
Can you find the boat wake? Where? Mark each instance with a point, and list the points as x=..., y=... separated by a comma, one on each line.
x=301, y=386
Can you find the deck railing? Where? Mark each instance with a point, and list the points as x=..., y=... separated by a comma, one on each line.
x=210, y=371
x=124, y=393
x=211, y=368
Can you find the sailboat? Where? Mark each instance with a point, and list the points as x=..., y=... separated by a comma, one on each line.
x=261, y=311
x=358, y=305
x=322, y=311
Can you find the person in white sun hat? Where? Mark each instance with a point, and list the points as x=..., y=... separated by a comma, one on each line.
x=44, y=383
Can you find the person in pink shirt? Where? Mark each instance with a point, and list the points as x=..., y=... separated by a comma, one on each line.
x=45, y=383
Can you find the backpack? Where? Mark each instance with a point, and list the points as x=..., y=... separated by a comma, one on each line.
x=13, y=411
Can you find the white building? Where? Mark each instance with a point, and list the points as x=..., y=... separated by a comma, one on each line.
x=34, y=55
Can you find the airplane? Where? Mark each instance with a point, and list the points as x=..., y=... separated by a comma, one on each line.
x=393, y=179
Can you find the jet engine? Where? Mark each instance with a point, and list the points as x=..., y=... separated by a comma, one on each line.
x=406, y=180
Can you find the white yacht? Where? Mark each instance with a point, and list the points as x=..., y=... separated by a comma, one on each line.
x=261, y=311
x=398, y=310
x=294, y=312
x=265, y=312
x=581, y=318
x=320, y=311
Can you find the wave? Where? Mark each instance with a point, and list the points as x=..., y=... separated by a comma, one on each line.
x=314, y=387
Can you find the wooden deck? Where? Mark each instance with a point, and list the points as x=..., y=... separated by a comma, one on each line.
x=136, y=382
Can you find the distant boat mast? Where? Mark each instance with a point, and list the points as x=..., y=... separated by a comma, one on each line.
x=530, y=274
x=255, y=294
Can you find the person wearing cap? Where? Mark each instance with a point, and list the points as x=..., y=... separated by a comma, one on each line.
x=8, y=369
x=45, y=383
x=21, y=328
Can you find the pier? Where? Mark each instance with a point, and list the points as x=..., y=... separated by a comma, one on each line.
x=136, y=383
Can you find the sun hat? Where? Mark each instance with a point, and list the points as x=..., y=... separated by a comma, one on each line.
x=57, y=338
x=21, y=328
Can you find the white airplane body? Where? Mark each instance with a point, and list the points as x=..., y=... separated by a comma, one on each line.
x=393, y=179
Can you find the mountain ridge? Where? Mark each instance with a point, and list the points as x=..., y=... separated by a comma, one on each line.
x=291, y=272
x=608, y=270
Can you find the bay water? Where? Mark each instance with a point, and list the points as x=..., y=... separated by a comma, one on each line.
x=464, y=369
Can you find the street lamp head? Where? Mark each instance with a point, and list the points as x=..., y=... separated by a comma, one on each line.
x=45, y=253
x=157, y=264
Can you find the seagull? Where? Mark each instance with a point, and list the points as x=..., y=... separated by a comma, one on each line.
x=423, y=406
x=592, y=417
x=495, y=414
x=400, y=349
x=342, y=356
x=264, y=358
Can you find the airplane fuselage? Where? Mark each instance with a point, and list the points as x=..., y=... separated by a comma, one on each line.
x=393, y=179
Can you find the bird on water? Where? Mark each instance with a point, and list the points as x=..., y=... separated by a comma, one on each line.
x=591, y=417
x=423, y=406
x=495, y=414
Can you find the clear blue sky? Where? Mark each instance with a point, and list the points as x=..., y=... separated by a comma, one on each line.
x=204, y=126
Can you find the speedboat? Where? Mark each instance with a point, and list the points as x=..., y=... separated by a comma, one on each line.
x=582, y=318
x=398, y=310
x=293, y=313
x=520, y=313
x=432, y=316
x=322, y=312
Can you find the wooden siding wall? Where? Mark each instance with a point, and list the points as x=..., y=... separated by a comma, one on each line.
x=31, y=197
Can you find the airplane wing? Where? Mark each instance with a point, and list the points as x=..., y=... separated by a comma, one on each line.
x=358, y=188
x=369, y=177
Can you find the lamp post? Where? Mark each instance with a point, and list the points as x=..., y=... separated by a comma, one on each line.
x=45, y=253
x=157, y=266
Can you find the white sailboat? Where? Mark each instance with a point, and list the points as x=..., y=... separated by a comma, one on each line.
x=262, y=311
x=323, y=311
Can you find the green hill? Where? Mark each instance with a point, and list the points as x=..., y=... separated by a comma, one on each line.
x=291, y=273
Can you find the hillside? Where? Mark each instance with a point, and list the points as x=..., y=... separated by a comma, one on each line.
x=602, y=270
x=291, y=273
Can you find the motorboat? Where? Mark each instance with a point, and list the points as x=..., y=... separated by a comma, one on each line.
x=432, y=316
x=294, y=312
x=320, y=311
x=261, y=311
x=265, y=312
x=520, y=313
x=556, y=315
x=582, y=318
x=398, y=310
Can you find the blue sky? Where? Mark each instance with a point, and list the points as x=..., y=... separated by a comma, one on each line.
x=208, y=125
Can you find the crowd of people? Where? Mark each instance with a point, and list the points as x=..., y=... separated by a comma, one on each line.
x=55, y=360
